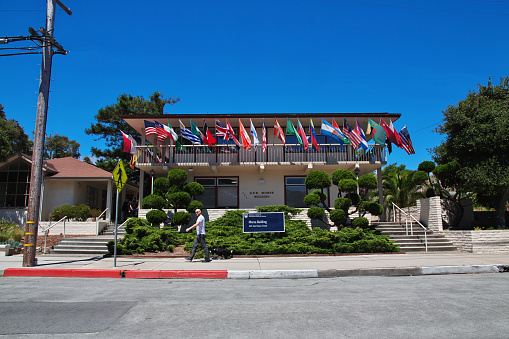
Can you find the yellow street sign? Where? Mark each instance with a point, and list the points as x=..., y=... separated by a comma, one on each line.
x=119, y=176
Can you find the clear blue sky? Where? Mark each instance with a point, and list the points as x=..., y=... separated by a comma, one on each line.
x=397, y=56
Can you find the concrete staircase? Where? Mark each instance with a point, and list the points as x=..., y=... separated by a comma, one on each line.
x=414, y=242
x=90, y=246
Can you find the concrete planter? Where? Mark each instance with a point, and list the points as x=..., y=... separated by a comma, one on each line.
x=489, y=241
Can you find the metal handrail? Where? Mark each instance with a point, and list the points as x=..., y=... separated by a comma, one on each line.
x=123, y=223
x=46, y=231
x=411, y=227
x=97, y=222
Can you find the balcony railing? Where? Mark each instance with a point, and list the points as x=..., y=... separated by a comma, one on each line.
x=196, y=155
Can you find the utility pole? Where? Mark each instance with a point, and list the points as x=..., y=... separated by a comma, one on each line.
x=40, y=131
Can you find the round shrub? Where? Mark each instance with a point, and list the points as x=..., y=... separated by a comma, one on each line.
x=338, y=217
x=343, y=204
x=156, y=217
x=375, y=208
x=317, y=179
x=153, y=201
x=355, y=198
x=194, y=205
x=62, y=211
x=82, y=212
x=419, y=177
x=177, y=177
x=161, y=186
x=135, y=222
x=368, y=181
x=360, y=222
x=348, y=185
x=179, y=199
x=194, y=189
x=341, y=174
x=316, y=213
x=181, y=218
x=426, y=166
x=312, y=199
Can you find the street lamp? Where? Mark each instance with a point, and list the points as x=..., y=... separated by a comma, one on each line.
x=356, y=172
x=152, y=172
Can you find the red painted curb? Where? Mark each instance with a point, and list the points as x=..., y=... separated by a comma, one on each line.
x=37, y=272
x=219, y=274
x=142, y=274
x=91, y=273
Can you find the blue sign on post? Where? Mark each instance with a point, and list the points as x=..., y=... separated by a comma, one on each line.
x=264, y=222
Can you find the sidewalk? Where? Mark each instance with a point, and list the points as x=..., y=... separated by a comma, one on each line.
x=262, y=267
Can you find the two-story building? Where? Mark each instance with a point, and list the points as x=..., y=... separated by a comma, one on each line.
x=234, y=177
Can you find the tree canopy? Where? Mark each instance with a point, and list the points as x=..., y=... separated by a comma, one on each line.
x=59, y=146
x=12, y=137
x=109, y=124
x=477, y=138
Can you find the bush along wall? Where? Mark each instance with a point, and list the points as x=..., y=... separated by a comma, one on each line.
x=227, y=232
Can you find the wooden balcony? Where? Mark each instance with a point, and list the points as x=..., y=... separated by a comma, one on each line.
x=228, y=155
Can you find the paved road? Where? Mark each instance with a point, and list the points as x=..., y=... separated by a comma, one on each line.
x=444, y=306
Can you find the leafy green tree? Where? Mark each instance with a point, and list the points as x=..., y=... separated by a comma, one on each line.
x=399, y=186
x=319, y=180
x=12, y=137
x=476, y=132
x=109, y=124
x=59, y=146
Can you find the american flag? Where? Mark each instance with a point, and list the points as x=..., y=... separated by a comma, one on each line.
x=354, y=138
x=406, y=141
x=150, y=128
x=161, y=132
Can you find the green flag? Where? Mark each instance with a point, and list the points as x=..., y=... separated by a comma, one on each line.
x=290, y=129
x=177, y=143
x=378, y=133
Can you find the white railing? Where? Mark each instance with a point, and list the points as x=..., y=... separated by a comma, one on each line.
x=97, y=222
x=278, y=154
x=46, y=230
x=407, y=217
x=123, y=223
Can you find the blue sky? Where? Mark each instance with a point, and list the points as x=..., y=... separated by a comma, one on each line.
x=409, y=57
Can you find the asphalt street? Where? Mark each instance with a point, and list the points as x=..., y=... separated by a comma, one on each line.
x=434, y=306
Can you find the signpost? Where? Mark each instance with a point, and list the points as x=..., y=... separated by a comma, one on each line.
x=120, y=178
x=263, y=222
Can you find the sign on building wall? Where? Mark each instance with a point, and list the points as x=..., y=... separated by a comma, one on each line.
x=264, y=222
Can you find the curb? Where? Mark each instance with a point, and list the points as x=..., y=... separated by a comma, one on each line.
x=250, y=274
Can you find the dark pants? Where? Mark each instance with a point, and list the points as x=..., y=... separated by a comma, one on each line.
x=200, y=238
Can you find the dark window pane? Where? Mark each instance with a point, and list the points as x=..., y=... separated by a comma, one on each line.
x=206, y=181
x=295, y=196
x=12, y=177
x=3, y=176
x=208, y=198
x=227, y=181
x=295, y=180
x=227, y=197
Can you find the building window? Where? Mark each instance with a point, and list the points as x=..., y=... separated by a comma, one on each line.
x=220, y=192
x=295, y=191
x=14, y=185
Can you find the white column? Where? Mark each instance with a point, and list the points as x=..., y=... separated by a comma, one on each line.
x=108, y=200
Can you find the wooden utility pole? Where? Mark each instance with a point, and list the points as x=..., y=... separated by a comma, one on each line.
x=40, y=132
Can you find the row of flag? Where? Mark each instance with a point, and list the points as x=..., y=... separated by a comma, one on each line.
x=382, y=133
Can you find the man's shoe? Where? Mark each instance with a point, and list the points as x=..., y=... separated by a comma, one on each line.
x=207, y=260
x=189, y=259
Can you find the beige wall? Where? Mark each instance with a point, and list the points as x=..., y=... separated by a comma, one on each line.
x=252, y=192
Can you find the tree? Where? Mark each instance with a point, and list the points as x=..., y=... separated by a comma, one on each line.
x=12, y=137
x=59, y=146
x=477, y=138
x=109, y=124
x=399, y=186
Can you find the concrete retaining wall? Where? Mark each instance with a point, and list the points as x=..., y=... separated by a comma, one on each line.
x=479, y=241
x=72, y=227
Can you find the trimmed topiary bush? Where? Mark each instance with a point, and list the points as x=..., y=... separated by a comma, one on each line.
x=194, y=205
x=368, y=181
x=194, y=189
x=181, y=218
x=360, y=222
x=338, y=217
x=156, y=217
x=312, y=199
x=153, y=201
x=316, y=213
x=135, y=222
x=179, y=199
x=347, y=185
x=375, y=208
x=343, y=204
x=341, y=174
x=177, y=177
x=161, y=186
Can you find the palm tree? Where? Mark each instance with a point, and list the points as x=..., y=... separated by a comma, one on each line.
x=399, y=186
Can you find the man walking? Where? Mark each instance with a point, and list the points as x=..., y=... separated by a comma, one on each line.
x=200, y=236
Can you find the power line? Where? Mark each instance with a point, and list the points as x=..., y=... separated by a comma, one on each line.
x=414, y=8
